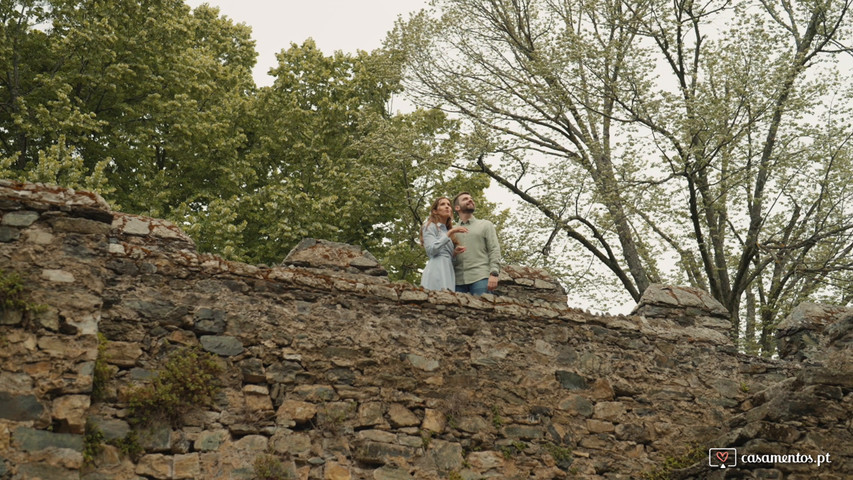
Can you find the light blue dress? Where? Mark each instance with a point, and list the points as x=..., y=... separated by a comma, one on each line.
x=438, y=273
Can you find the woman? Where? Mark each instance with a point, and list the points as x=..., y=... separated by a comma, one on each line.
x=437, y=237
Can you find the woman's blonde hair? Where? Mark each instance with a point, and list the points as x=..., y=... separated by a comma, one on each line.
x=434, y=218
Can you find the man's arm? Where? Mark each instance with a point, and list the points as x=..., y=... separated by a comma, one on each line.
x=493, y=249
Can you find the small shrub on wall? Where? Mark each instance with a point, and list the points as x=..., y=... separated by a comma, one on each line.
x=187, y=380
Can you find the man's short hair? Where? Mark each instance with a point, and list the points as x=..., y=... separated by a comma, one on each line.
x=456, y=199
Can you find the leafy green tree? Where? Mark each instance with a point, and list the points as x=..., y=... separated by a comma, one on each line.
x=139, y=99
x=154, y=106
x=682, y=142
x=328, y=160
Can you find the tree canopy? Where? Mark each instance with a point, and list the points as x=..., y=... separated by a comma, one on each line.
x=153, y=105
x=694, y=143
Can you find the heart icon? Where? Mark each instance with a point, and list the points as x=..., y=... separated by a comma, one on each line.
x=722, y=456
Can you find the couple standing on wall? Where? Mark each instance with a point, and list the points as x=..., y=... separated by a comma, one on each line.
x=465, y=258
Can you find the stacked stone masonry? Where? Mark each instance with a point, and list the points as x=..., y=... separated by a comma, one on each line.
x=338, y=373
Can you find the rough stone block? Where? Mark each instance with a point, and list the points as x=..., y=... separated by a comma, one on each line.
x=336, y=471
x=209, y=321
x=187, y=466
x=422, y=363
x=324, y=254
x=20, y=218
x=400, y=416
x=71, y=409
x=571, y=380
x=155, y=465
x=370, y=414
x=611, y=411
x=20, y=407
x=123, y=354
x=257, y=398
x=57, y=276
x=434, y=421
x=222, y=345
x=299, y=412
x=376, y=453
x=209, y=441
x=80, y=225
x=9, y=234
x=32, y=440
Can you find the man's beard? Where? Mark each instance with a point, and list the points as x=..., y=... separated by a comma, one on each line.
x=467, y=210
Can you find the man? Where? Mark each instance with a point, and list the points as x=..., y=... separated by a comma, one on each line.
x=478, y=268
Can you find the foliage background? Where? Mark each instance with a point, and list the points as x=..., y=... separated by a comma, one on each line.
x=153, y=105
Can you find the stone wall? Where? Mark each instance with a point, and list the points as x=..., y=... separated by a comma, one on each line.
x=337, y=373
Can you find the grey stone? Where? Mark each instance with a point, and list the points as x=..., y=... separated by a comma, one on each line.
x=571, y=380
x=726, y=387
x=154, y=309
x=375, y=453
x=447, y=456
x=380, y=436
x=315, y=393
x=32, y=440
x=209, y=441
x=9, y=234
x=811, y=316
x=578, y=405
x=111, y=428
x=21, y=218
x=283, y=372
x=523, y=432
x=209, y=321
x=611, y=411
x=400, y=416
x=809, y=325
x=633, y=432
x=81, y=225
x=391, y=473
x=422, y=363
x=676, y=297
x=474, y=424
x=370, y=414
x=341, y=376
x=11, y=317
x=58, y=276
x=157, y=438
x=20, y=408
x=252, y=370
x=294, y=443
x=324, y=254
x=364, y=262
x=41, y=471
x=221, y=345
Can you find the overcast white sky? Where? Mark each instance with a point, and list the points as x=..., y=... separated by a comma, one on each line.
x=347, y=25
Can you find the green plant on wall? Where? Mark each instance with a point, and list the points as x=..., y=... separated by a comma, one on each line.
x=93, y=443
x=129, y=446
x=14, y=296
x=268, y=466
x=562, y=455
x=497, y=420
x=690, y=456
x=188, y=379
x=102, y=371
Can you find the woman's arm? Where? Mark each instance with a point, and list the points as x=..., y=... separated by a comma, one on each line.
x=434, y=240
